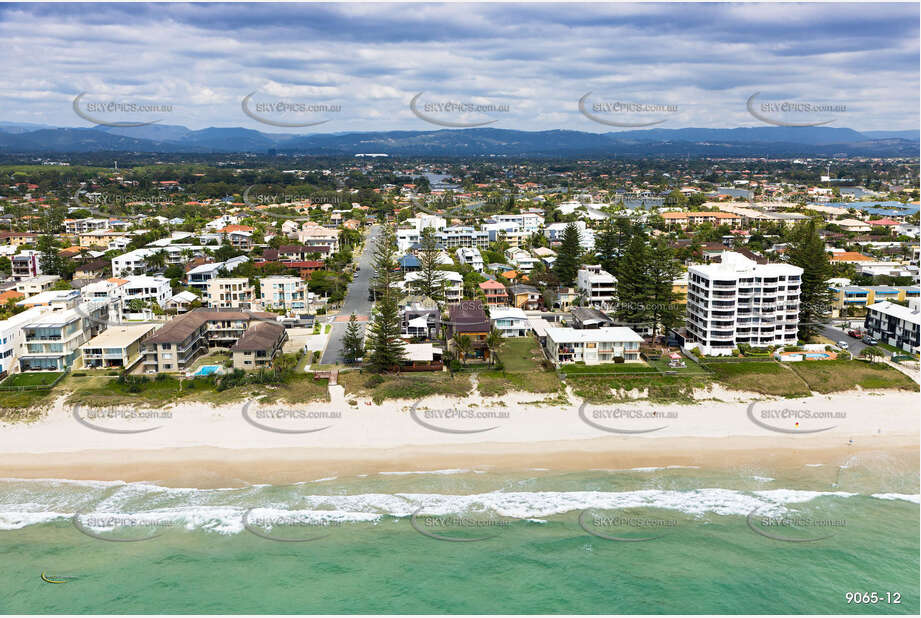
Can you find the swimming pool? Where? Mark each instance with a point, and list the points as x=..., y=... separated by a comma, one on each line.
x=207, y=370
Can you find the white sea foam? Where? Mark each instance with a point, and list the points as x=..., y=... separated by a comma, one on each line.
x=907, y=497
x=221, y=511
x=448, y=471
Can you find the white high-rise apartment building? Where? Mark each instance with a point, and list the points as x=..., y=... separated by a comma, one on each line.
x=740, y=301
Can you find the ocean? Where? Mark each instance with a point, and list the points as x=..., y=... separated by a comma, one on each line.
x=475, y=541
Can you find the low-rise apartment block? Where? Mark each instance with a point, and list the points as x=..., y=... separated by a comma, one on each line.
x=176, y=346
x=259, y=346
x=897, y=325
x=283, y=292
x=229, y=293
x=598, y=286
x=117, y=346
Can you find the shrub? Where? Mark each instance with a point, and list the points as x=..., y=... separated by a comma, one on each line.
x=375, y=380
x=78, y=374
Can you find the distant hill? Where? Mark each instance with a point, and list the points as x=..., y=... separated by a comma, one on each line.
x=913, y=136
x=746, y=141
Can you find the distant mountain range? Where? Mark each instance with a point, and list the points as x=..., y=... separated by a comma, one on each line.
x=25, y=138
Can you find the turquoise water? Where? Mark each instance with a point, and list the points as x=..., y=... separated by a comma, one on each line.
x=206, y=370
x=371, y=555
x=880, y=208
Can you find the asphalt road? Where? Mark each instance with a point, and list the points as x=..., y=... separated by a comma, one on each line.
x=854, y=346
x=356, y=301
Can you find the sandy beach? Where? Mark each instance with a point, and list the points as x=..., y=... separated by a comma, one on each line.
x=203, y=446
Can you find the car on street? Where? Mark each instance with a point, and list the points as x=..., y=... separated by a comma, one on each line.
x=842, y=345
x=870, y=340
x=853, y=333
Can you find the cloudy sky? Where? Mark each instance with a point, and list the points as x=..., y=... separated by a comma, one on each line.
x=697, y=65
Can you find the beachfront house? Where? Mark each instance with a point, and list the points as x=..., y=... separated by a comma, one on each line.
x=592, y=346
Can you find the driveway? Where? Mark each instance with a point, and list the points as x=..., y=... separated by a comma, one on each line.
x=356, y=301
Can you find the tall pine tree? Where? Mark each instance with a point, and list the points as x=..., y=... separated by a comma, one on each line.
x=661, y=270
x=386, y=348
x=352, y=341
x=431, y=281
x=807, y=250
x=633, y=289
x=567, y=256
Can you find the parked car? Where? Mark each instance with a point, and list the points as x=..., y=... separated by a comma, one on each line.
x=853, y=333
x=870, y=340
x=842, y=345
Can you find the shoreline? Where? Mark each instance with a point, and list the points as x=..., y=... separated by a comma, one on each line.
x=198, y=445
x=209, y=447
x=214, y=468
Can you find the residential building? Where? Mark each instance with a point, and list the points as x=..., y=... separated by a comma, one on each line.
x=36, y=285
x=117, y=346
x=420, y=317
x=598, y=286
x=468, y=318
x=495, y=293
x=199, y=276
x=229, y=293
x=81, y=226
x=283, y=292
x=896, y=325
x=176, y=346
x=319, y=236
x=470, y=256
x=846, y=296
x=554, y=233
x=463, y=236
x=588, y=317
x=521, y=259
x=26, y=264
x=53, y=340
x=181, y=302
x=510, y=321
x=684, y=219
x=528, y=222
x=421, y=357
x=453, y=284
x=131, y=263
x=147, y=289
x=592, y=346
x=294, y=253
x=259, y=346
x=12, y=336
x=738, y=301
x=524, y=297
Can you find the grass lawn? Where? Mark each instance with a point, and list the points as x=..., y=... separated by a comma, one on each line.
x=524, y=370
x=690, y=368
x=37, y=378
x=840, y=375
x=521, y=355
x=404, y=386
x=606, y=368
x=767, y=378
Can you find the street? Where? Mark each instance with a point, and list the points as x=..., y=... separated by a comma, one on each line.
x=356, y=301
x=854, y=346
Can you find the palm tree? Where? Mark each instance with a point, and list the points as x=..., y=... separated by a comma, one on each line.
x=494, y=341
x=464, y=345
x=873, y=353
